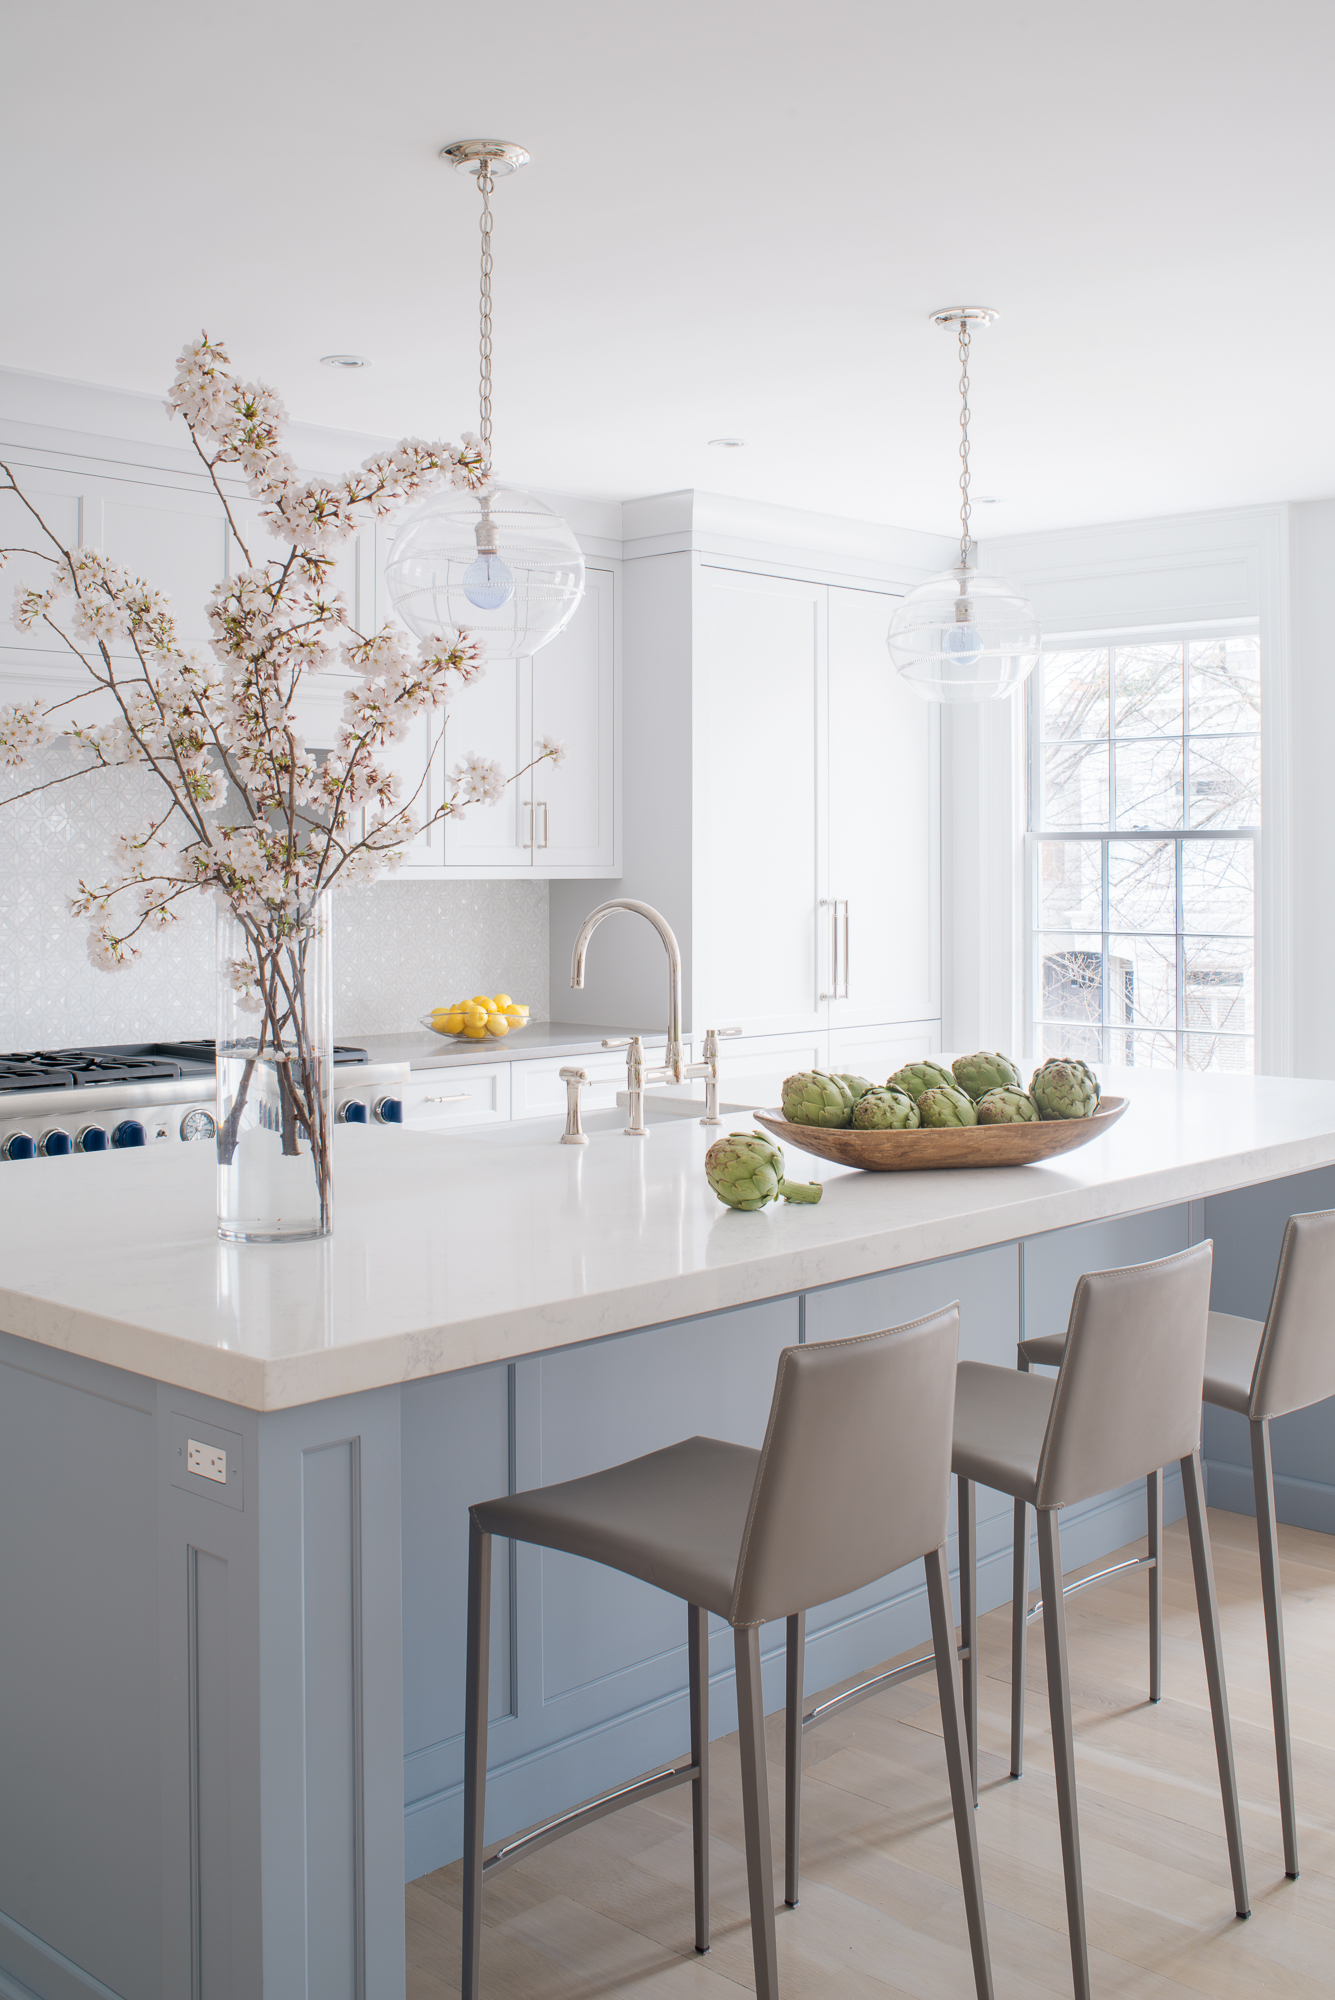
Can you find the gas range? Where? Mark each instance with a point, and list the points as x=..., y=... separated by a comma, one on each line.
x=109, y=1097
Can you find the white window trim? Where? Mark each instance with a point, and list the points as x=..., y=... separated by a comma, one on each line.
x=1120, y=582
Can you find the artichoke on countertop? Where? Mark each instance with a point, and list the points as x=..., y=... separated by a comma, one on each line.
x=976, y=1075
x=812, y=1097
x=1065, y=1090
x=945, y=1105
x=858, y=1085
x=745, y=1170
x=1006, y=1106
x=885, y=1110
x=914, y=1078
x=1070, y=1062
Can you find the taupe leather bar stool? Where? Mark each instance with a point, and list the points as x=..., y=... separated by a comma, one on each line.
x=1261, y=1369
x=852, y=1482
x=1126, y=1401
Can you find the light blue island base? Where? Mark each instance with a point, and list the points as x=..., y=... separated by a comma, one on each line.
x=231, y=1718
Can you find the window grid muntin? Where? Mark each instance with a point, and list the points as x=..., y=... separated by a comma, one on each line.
x=1182, y=1032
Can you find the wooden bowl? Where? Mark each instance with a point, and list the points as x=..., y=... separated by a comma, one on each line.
x=945, y=1146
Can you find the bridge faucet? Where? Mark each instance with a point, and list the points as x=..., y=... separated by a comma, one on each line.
x=671, y=1069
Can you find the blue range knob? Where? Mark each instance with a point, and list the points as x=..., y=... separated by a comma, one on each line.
x=19, y=1146
x=353, y=1112
x=389, y=1110
x=55, y=1144
x=92, y=1139
x=128, y=1133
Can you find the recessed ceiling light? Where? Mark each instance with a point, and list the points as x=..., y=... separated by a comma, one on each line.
x=728, y=444
x=344, y=361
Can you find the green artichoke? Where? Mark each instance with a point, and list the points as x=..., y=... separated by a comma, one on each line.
x=885, y=1111
x=914, y=1078
x=946, y=1106
x=1064, y=1090
x=976, y=1075
x=1070, y=1062
x=813, y=1098
x=858, y=1085
x=746, y=1170
x=1007, y=1106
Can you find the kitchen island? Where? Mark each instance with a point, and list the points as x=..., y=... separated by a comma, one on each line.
x=234, y=1483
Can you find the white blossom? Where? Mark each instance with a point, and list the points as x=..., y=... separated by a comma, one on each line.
x=478, y=779
x=551, y=747
x=23, y=729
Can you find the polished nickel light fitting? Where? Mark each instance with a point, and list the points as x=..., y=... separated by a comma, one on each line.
x=499, y=563
x=964, y=636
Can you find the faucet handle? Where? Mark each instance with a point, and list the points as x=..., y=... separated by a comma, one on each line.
x=727, y=1031
x=574, y=1134
x=623, y=1044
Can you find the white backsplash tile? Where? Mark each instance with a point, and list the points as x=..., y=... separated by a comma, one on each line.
x=400, y=946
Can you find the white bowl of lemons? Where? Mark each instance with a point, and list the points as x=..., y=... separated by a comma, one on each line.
x=486, y=1014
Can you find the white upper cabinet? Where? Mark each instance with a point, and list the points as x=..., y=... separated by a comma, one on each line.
x=557, y=820
x=884, y=820
x=574, y=803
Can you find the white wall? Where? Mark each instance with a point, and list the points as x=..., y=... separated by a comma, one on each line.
x=1312, y=652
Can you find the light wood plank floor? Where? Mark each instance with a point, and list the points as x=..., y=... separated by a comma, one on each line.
x=607, y=1912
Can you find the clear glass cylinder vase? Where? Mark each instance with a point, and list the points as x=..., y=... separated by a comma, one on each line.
x=275, y=1063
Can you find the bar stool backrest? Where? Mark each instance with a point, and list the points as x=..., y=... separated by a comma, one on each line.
x=1295, y=1366
x=854, y=1476
x=1128, y=1393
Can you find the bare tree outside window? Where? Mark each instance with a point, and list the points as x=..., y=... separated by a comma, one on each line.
x=1145, y=812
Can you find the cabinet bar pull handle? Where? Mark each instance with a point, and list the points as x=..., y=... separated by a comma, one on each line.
x=845, y=910
x=528, y=808
x=457, y=1098
x=827, y=903
x=542, y=808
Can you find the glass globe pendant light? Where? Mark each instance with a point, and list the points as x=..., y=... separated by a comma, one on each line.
x=498, y=563
x=963, y=636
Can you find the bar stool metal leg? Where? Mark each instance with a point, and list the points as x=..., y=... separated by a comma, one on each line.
x=755, y=1809
x=475, y=1750
x=1154, y=1550
x=1063, y=1741
x=1019, y=1633
x=953, y=1735
x=792, y=1762
x=1193, y=1487
x=697, y=1645
x=1263, y=1478
x=967, y=1518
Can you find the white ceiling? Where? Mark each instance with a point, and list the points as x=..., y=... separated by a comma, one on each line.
x=737, y=220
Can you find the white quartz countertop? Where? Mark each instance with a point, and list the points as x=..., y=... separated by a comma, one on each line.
x=452, y=1250
x=424, y=1050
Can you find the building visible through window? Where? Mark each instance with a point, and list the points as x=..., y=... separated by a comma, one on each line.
x=1145, y=813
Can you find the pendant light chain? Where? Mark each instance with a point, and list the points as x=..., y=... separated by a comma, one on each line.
x=486, y=184
x=966, y=542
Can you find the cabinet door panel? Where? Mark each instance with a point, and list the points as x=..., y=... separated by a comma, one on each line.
x=759, y=696
x=574, y=698
x=878, y=1052
x=492, y=717
x=177, y=543
x=884, y=822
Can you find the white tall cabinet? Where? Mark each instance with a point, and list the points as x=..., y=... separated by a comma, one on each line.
x=783, y=810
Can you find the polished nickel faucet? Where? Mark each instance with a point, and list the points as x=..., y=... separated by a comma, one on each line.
x=672, y=1069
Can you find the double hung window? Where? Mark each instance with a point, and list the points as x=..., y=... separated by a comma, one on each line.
x=1145, y=817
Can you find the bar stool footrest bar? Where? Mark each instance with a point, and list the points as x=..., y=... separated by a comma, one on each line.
x=569, y=1822
x=909, y=1671
x=1099, y=1576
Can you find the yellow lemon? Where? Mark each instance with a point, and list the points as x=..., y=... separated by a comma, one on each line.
x=453, y=1024
x=437, y=1013
x=497, y=1024
x=511, y=1013
x=475, y=1030
x=482, y=1000
x=501, y=1001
